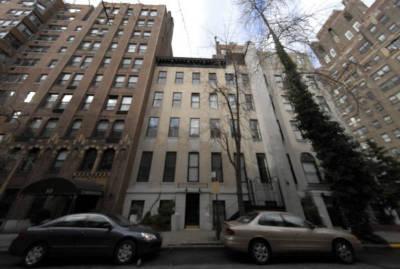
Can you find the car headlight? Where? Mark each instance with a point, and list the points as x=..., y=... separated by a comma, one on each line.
x=148, y=237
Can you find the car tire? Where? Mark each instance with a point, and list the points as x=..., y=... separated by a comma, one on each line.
x=35, y=254
x=125, y=252
x=260, y=251
x=343, y=251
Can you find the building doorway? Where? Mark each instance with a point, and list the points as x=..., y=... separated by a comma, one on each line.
x=192, y=214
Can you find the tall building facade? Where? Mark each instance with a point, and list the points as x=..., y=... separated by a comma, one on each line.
x=73, y=91
x=359, y=49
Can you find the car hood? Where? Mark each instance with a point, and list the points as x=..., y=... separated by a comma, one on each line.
x=141, y=229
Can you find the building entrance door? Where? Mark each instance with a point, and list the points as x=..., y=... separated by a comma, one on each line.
x=192, y=210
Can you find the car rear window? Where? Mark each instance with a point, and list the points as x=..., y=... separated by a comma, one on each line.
x=247, y=218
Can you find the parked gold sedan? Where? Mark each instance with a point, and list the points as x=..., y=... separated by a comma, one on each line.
x=262, y=234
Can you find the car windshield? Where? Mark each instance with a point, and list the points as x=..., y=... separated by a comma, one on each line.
x=247, y=218
x=119, y=220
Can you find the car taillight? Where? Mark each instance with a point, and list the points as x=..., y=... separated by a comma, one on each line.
x=229, y=231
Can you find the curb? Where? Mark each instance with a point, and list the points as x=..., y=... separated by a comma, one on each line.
x=391, y=245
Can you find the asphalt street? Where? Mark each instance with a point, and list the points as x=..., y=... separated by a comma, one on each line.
x=199, y=258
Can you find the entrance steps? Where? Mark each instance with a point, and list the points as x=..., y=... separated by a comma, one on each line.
x=191, y=237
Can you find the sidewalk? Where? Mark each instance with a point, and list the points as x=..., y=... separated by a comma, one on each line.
x=190, y=238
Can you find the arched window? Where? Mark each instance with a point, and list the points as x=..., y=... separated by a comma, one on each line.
x=107, y=160
x=59, y=161
x=88, y=160
x=310, y=168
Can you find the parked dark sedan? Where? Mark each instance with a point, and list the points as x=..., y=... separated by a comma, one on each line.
x=86, y=234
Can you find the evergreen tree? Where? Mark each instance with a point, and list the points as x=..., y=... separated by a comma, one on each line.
x=346, y=168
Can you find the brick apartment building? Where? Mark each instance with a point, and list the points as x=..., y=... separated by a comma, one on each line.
x=360, y=46
x=73, y=88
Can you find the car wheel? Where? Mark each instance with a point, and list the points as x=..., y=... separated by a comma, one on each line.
x=343, y=251
x=260, y=251
x=35, y=254
x=125, y=252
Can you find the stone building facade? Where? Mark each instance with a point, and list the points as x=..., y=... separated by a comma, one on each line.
x=72, y=97
x=358, y=48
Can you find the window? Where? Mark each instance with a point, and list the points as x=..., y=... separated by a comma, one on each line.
x=195, y=100
x=101, y=129
x=271, y=219
x=249, y=101
x=162, y=77
x=34, y=125
x=381, y=72
x=137, y=33
x=125, y=103
x=97, y=80
x=176, y=99
x=386, y=138
x=126, y=63
x=349, y=35
x=245, y=79
x=194, y=127
x=173, y=130
x=212, y=78
x=145, y=166
x=213, y=101
x=230, y=79
x=152, y=127
x=232, y=101
x=42, y=77
x=150, y=23
x=146, y=34
x=140, y=22
x=195, y=78
x=255, y=130
x=215, y=131
x=74, y=129
x=29, y=97
x=59, y=160
x=50, y=100
x=193, y=167
x=88, y=60
x=64, y=101
x=136, y=211
x=293, y=221
x=144, y=12
x=153, y=13
x=216, y=167
x=297, y=133
x=75, y=81
x=387, y=119
x=89, y=160
x=382, y=38
x=96, y=45
x=48, y=130
x=310, y=168
x=169, y=167
x=263, y=167
x=137, y=64
x=113, y=46
x=119, y=81
x=157, y=99
x=86, y=103
x=364, y=47
x=64, y=78
x=142, y=48
x=75, y=61
x=30, y=159
x=117, y=130
x=179, y=77
x=70, y=38
x=132, y=81
x=106, y=161
x=233, y=126
x=132, y=47
x=106, y=61
x=111, y=103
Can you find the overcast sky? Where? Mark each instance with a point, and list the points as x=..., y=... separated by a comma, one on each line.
x=198, y=21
